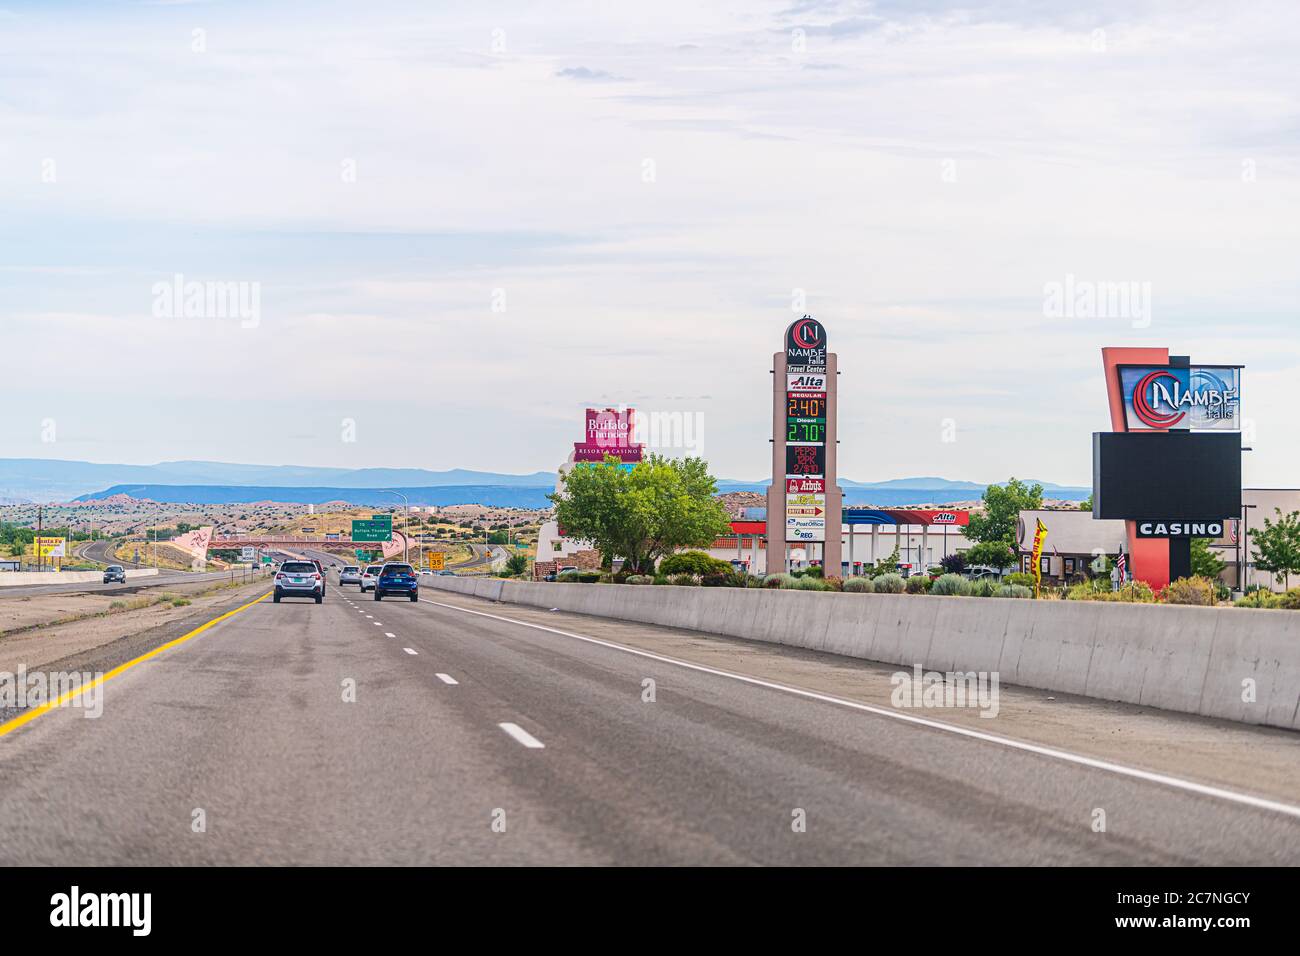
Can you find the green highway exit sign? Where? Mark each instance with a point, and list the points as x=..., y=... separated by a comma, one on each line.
x=379, y=528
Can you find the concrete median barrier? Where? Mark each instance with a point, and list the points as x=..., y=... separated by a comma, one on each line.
x=1231, y=663
x=29, y=578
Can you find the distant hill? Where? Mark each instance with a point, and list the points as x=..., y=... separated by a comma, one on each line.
x=502, y=496
x=44, y=480
x=48, y=479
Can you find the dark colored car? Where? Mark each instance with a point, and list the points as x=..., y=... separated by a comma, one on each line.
x=299, y=579
x=397, y=579
x=115, y=572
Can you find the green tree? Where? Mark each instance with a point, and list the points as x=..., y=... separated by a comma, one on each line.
x=1002, y=507
x=641, y=513
x=516, y=564
x=1205, y=563
x=1277, y=546
x=1086, y=504
x=993, y=554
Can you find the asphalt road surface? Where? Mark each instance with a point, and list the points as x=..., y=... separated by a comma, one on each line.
x=474, y=740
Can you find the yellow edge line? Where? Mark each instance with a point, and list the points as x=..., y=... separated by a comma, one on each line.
x=35, y=712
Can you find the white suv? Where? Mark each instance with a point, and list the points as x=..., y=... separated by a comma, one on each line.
x=369, y=576
x=351, y=574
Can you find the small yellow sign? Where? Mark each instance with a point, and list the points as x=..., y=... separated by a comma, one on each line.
x=435, y=560
x=50, y=547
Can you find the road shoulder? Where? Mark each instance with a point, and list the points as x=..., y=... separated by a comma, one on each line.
x=1251, y=759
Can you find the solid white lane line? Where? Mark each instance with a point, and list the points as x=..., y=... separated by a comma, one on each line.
x=1177, y=783
x=410, y=650
x=389, y=634
x=523, y=736
x=448, y=679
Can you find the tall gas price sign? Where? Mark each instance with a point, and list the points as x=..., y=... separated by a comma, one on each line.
x=804, y=502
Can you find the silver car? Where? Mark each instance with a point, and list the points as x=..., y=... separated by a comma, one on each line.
x=299, y=579
x=351, y=574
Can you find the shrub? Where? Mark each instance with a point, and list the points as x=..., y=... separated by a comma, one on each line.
x=1093, y=589
x=1019, y=577
x=889, y=583
x=1014, y=591
x=682, y=580
x=722, y=579
x=835, y=582
x=1135, y=592
x=814, y=571
x=180, y=602
x=1261, y=599
x=859, y=585
x=953, y=563
x=692, y=562
x=778, y=580
x=1193, y=590
x=808, y=583
x=951, y=584
x=661, y=579
x=1290, y=601
x=918, y=584
x=984, y=587
x=639, y=579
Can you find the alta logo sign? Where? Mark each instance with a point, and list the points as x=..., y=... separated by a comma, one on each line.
x=805, y=382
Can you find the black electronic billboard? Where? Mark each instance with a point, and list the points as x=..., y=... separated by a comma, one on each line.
x=1175, y=476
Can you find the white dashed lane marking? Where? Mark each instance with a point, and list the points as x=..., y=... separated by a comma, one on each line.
x=448, y=679
x=410, y=650
x=522, y=736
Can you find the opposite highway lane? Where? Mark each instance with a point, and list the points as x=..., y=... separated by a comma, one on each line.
x=460, y=721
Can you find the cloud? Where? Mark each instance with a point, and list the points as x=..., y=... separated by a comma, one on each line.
x=584, y=73
x=445, y=230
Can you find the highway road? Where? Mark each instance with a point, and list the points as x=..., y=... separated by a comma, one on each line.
x=485, y=734
x=102, y=552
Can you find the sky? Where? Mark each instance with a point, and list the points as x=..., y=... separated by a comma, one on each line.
x=453, y=226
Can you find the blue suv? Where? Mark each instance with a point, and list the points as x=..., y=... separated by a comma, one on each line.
x=397, y=579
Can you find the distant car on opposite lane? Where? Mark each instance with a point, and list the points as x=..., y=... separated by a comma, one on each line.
x=397, y=580
x=445, y=573
x=115, y=573
x=351, y=574
x=299, y=579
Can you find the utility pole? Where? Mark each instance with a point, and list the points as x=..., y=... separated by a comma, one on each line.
x=40, y=515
